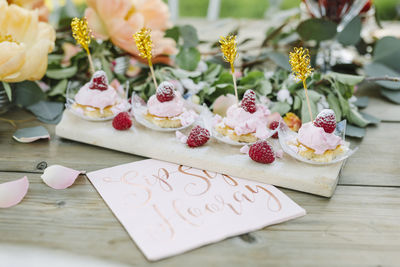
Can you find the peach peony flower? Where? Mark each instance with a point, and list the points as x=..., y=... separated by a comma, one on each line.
x=33, y=4
x=24, y=44
x=118, y=20
x=292, y=121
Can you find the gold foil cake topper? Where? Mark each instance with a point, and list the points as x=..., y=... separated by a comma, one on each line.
x=145, y=46
x=301, y=68
x=229, y=51
x=83, y=36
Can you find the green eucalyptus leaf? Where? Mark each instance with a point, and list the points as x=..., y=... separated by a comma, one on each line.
x=354, y=131
x=346, y=78
x=345, y=90
x=140, y=88
x=344, y=105
x=7, y=89
x=263, y=87
x=305, y=115
x=380, y=70
x=63, y=73
x=351, y=34
x=54, y=59
x=173, y=33
x=334, y=104
x=356, y=118
x=48, y=112
x=280, y=59
x=362, y=102
x=212, y=72
x=317, y=29
x=188, y=58
x=370, y=118
x=281, y=107
x=224, y=77
x=189, y=35
x=296, y=103
x=183, y=74
x=59, y=89
x=107, y=68
x=393, y=96
x=252, y=77
x=27, y=93
x=387, y=52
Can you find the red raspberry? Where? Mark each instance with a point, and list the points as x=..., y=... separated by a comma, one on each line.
x=165, y=92
x=198, y=136
x=262, y=152
x=249, y=101
x=122, y=121
x=99, y=81
x=273, y=125
x=327, y=120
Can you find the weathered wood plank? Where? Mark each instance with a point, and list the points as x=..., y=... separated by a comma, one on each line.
x=357, y=226
x=376, y=162
x=379, y=106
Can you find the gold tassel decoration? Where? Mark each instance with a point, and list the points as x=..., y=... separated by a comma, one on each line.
x=301, y=68
x=83, y=36
x=145, y=46
x=230, y=52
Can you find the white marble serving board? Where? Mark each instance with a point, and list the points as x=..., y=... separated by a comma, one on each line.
x=214, y=156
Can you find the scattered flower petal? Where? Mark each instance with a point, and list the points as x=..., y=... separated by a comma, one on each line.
x=59, y=177
x=279, y=153
x=28, y=135
x=245, y=149
x=11, y=193
x=181, y=137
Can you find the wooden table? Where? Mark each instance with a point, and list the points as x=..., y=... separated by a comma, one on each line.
x=359, y=225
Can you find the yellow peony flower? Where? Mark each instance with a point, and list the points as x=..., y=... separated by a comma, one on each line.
x=33, y=4
x=24, y=44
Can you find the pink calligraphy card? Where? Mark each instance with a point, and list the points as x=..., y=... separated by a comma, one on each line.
x=168, y=209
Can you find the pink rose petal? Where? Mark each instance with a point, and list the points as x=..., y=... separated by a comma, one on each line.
x=11, y=193
x=245, y=149
x=279, y=153
x=59, y=177
x=181, y=137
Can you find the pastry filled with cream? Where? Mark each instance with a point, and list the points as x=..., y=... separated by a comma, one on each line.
x=166, y=108
x=245, y=122
x=97, y=99
x=316, y=140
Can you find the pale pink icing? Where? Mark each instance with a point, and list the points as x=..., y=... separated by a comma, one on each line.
x=317, y=139
x=96, y=98
x=244, y=122
x=168, y=109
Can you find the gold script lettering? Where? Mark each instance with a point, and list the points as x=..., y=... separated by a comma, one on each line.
x=202, y=178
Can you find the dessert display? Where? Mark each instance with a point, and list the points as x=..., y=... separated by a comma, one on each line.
x=97, y=100
x=317, y=142
x=166, y=108
x=245, y=122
